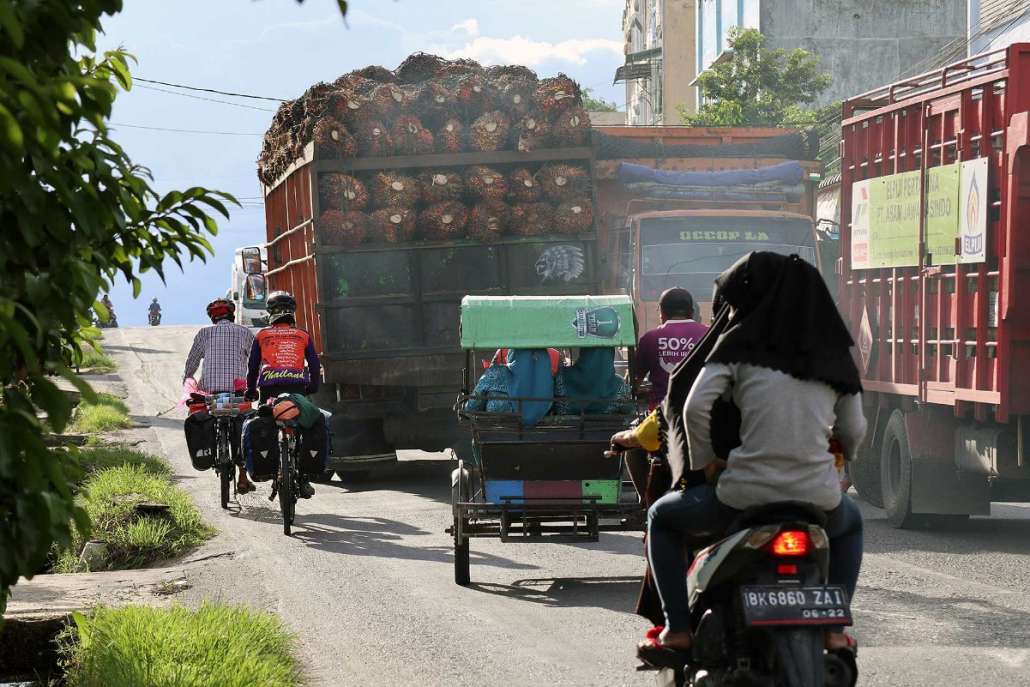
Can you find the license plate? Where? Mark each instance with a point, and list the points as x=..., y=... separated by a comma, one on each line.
x=779, y=605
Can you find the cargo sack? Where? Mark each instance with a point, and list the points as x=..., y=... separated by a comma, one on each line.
x=261, y=448
x=200, y=439
x=315, y=444
x=310, y=414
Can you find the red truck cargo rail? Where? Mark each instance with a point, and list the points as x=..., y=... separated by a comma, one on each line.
x=947, y=334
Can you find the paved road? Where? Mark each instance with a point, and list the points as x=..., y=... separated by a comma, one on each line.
x=366, y=582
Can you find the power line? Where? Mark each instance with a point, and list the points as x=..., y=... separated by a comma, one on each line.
x=210, y=100
x=183, y=131
x=211, y=90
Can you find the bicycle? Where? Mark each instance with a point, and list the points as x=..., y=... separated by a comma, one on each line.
x=226, y=409
x=287, y=482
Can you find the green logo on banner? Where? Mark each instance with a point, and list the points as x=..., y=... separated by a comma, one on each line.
x=602, y=323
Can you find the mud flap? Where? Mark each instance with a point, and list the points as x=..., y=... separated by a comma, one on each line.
x=800, y=651
x=938, y=486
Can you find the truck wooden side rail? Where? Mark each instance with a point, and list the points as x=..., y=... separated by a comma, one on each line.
x=945, y=334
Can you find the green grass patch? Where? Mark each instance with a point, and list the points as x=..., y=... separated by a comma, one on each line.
x=106, y=413
x=91, y=460
x=134, y=540
x=96, y=360
x=213, y=646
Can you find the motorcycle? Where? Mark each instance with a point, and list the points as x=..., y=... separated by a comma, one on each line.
x=110, y=323
x=760, y=604
x=154, y=318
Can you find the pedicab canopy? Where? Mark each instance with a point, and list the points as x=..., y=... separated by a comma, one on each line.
x=547, y=321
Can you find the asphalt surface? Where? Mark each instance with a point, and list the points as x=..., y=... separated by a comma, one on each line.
x=366, y=582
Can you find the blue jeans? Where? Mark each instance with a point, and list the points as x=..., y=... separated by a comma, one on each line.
x=683, y=517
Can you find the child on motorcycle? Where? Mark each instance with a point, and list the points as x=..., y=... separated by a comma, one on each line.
x=784, y=359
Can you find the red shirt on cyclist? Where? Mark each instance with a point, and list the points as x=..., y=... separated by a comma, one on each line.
x=283, y=358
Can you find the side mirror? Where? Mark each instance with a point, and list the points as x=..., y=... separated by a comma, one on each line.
x=236, y=295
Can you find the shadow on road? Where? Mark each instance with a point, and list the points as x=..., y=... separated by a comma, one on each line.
x=978, y=536
x=611, y=593
x=134, y=349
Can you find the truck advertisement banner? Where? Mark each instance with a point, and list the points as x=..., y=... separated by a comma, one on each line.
x=885, y=217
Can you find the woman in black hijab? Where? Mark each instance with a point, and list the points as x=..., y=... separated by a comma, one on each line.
x=782, y=356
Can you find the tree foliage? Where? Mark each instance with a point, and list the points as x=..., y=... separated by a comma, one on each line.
x=75, y=214
x=593, y=104
x=758, y=86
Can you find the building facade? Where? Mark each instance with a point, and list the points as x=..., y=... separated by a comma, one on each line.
x=660, y=59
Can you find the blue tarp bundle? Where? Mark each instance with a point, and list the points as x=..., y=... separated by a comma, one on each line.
x=788, y=173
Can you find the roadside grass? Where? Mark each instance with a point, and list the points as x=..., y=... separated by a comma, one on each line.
x=106, y=413
x=92, y=459
x=213, y=646
x=95, y=360
x=135, y=539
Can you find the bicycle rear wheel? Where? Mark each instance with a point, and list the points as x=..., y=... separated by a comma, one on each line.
x=224, y=463
x=286, y=495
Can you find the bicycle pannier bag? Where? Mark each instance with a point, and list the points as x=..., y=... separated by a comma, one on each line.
x=200, y=439
x=261, y=448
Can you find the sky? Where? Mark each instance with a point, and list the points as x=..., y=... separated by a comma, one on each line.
x=278, y=48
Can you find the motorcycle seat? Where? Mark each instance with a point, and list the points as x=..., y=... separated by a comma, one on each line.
x=780, y=512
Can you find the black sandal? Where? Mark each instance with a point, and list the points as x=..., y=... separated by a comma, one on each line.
x=652, y=652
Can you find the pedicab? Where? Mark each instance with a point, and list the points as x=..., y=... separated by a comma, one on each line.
x=537, y=471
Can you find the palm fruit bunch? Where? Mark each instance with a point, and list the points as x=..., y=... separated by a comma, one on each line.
x=531, y=133
x=341, y=192
x=556, y=94
x=490, y=131
x=472, y=93
x=459, y=67
x=418, y=67
x=513, y=88
x=571, y=128
x=436, y=102
x=376, y=73
x=523, y=186
x=410, y=137
x=332, y=140
x=388, y=100
x=392, y=225
x=531, y=219
x=373, y=138
x=488, y=220
x=450, y=137
x=390, y=189
x=441, y=184
x=575, y=216
x=347, y=106
x=443, y=221
x=485, y=183
x=560, y=181
x=343, y=228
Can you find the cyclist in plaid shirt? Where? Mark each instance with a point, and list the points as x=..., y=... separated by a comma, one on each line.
x=225, y=349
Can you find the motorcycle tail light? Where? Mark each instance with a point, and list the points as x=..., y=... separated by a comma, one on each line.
x=790, y=544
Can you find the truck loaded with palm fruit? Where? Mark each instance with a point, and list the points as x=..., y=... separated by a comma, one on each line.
x=390, y=195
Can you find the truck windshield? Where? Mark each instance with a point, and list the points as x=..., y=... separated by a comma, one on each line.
x=690, y=252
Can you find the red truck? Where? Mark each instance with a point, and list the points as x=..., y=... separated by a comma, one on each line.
x=678, y=205
x=934, y=277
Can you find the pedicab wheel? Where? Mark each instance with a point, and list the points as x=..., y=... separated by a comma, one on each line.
x=225, y=477
x=459, y=494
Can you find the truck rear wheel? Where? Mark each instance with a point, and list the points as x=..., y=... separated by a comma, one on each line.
x=865, y=475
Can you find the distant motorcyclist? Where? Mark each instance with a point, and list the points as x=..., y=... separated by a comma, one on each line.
x=224, y=346
x=283, y=360
x=784, y=360
x=154, y=312
x=111, y=320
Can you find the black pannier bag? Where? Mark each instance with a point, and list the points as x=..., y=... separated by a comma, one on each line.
x=314, y=447
x=200, y=439
x=261, y=448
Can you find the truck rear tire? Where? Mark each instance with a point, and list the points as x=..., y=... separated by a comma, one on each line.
x=896, y=473
x=865, y=476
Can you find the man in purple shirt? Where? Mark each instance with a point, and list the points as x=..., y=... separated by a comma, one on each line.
x=660, y=350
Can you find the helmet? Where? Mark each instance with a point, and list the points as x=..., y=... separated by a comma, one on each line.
x=221, y=309
x=281, y=307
